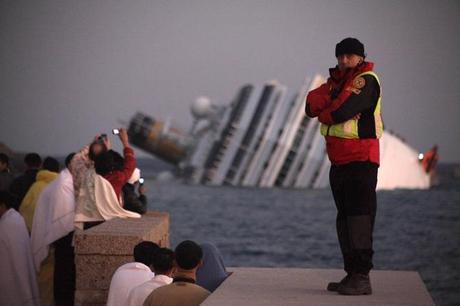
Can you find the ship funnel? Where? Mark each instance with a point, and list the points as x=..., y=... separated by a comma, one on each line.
x=158, y=138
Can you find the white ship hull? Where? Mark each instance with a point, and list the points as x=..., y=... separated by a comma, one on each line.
x=264, y=139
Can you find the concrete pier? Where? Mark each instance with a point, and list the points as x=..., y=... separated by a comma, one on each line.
x=289, y=287
x=100, y=250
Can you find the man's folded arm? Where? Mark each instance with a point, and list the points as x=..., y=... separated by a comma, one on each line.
x=317, y=100
x=358, y=101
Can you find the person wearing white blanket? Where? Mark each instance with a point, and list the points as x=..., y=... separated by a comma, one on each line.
x=54, y=214
x=53, y=222
x=18, y=282
x=59, y=212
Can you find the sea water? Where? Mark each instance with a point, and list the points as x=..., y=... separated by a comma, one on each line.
x=415, y=229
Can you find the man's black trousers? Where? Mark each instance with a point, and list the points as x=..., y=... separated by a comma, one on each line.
x=353, y=188
x=64, y=271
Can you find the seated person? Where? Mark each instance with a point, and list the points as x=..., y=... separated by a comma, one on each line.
x=132, y=274
x=212, y=273
x=183, y=291
x=162, y=267
x=131, y=201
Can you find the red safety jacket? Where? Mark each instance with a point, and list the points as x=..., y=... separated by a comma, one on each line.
x=340, y=99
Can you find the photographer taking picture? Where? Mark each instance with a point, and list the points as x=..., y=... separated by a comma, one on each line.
x=114, y=168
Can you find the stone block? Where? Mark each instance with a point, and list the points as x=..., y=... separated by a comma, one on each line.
x=100, y=250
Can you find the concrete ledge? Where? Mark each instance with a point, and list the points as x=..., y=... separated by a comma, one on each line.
x=119, y=236
x=286, y=287
x=100, y=250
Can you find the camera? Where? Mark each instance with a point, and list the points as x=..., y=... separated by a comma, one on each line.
x=115, y=131
x=141, y=181
x=101, y=138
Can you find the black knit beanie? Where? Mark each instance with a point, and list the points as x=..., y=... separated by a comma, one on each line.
x=349, y=46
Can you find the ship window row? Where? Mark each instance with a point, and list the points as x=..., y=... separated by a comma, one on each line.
x=285, y=168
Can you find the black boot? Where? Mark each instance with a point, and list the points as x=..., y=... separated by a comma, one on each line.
x=333, y=286
x=358, y=284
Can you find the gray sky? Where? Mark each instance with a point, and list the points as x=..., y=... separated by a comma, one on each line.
x=71, y=69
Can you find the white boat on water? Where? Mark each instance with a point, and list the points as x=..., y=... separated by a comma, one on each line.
x=263, y=139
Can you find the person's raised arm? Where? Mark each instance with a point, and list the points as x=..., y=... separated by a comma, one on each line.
x=130, y=162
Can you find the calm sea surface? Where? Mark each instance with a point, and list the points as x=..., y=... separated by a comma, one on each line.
x=415, y=230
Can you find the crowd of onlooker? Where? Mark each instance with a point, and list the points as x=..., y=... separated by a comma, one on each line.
x=160, y=276
x=41, y=208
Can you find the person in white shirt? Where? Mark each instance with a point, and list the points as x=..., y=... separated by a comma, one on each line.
x=18, y=282
x=163, y=262
x=132, y=274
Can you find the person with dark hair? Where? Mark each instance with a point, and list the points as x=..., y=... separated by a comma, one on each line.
x=144, y=252
x=68, y=159
x=22, y=183
x=132, y=201
x=132, y=274
x=212, y=273
x=107, y=162
x=163, y=261
x=44, y=177
x=349, y=109
x=183, y=291
x=51, y=164
x=18, y=282
x=33, y=160
x=5, y=173
x=110, y=166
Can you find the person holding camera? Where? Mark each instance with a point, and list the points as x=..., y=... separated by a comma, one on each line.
x=132, y=201
x=115, y=169
x=98, y=198
x=84, y=160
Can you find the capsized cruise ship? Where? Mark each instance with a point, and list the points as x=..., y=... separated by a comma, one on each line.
x=263, y=139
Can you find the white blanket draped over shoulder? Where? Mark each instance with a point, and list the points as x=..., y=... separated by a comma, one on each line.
x=97, y=201
x=59, y=212
x=54, y=215
x=18, y=282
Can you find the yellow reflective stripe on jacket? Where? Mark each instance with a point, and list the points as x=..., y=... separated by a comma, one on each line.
x=349, y=129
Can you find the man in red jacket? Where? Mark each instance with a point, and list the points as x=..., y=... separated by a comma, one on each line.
x=348, y=107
